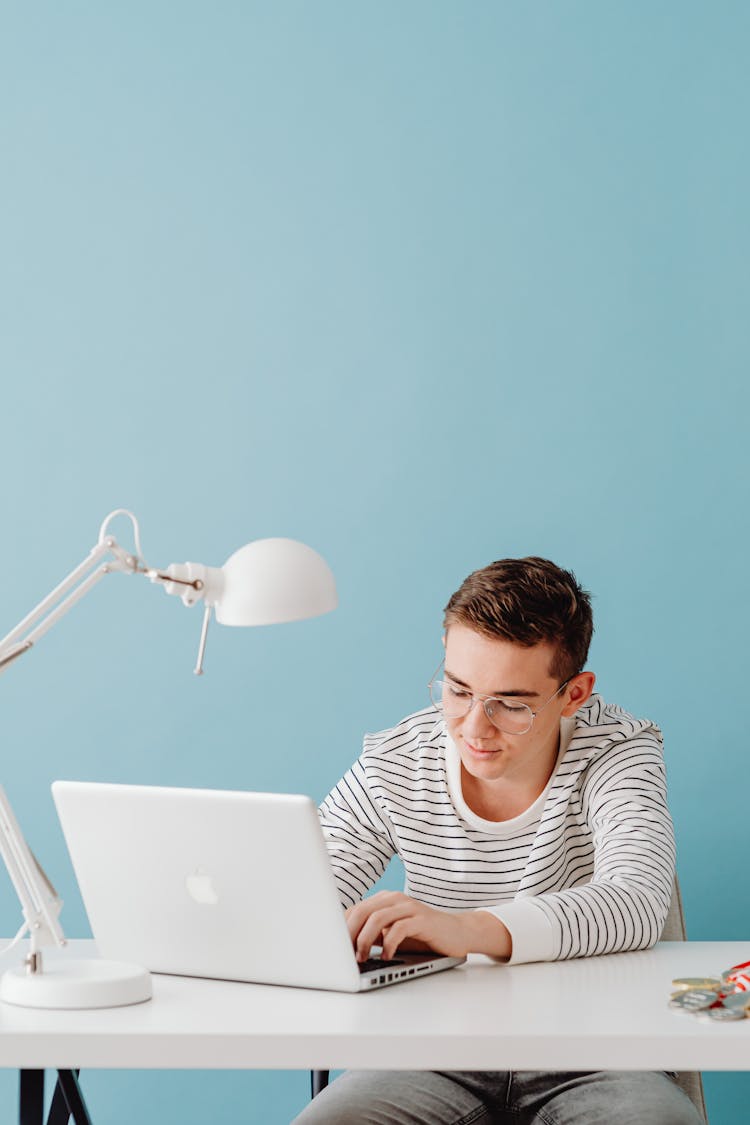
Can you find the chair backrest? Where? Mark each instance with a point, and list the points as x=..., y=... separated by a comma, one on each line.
x=674, y=927
x=674, y=930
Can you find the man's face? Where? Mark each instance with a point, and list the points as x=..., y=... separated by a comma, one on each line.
x=492, y=667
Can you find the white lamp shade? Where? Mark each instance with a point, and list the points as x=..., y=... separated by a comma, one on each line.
x=274, y=580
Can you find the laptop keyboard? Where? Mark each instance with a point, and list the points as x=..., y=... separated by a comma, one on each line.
x=375, y=963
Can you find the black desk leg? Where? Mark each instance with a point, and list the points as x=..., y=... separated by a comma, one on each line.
x=318, y=1081
x=59, y=1114
x=67, y=1081
x=31, y=1097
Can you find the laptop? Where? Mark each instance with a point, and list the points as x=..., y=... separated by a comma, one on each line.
x=220, y=884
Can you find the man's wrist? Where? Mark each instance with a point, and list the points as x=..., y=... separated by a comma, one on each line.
x=488, y=935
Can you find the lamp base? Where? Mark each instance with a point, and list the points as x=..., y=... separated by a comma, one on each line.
x=76, y=984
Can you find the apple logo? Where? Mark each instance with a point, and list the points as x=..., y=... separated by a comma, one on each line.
x=200, y=887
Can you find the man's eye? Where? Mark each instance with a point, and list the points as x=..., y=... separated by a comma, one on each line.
x=506, y=708
x=457, y=693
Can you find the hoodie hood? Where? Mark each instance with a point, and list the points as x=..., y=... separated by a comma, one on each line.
x=598, y=728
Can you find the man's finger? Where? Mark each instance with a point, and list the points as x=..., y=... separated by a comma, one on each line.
x=375, y=926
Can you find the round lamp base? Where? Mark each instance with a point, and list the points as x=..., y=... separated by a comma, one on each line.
x=76, y=984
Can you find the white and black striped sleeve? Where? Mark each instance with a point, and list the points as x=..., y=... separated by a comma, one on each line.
x=359, y=841
x=624, y=904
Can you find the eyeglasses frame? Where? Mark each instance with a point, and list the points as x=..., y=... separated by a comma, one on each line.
x=485, y=699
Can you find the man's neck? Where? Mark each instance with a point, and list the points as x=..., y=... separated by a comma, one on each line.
x=495, y=800
x=507, y=798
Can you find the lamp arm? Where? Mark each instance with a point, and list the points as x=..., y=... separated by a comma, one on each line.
x=106, y=557
x=39, y=899
x=44, y=606
x=64, y=596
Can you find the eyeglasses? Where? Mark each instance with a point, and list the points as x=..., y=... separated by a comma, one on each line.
x=506, y=715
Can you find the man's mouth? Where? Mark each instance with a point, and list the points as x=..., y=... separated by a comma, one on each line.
x=480, y=751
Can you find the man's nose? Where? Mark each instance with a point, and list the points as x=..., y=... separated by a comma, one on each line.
x=476, y=722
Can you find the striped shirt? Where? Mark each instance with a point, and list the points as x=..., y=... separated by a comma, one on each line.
x=587, y=869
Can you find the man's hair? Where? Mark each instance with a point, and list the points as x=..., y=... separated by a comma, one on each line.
x=528, y=601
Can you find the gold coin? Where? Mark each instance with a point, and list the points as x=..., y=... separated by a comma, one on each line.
x=683, y=983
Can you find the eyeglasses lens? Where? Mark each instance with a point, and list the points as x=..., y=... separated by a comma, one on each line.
x=512, y=718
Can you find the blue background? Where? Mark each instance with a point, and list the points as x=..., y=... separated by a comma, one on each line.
x=423, y=285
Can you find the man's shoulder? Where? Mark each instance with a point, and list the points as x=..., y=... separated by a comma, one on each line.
x=418, y=735
x=603, y=728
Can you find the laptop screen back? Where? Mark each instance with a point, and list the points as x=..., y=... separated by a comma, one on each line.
x=212, y=883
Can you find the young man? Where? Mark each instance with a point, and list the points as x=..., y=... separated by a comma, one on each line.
x=532, y=823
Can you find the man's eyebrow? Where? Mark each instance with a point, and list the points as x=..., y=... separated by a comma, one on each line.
x=518, y=693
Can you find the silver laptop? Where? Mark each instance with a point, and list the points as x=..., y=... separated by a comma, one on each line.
x=211, y=883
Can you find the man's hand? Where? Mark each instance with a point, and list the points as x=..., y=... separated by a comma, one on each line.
x=397, y=921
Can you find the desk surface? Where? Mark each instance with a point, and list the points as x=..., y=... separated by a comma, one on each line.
x=597, y=1013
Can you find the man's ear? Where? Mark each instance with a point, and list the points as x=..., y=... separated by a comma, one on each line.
x=445, y=637
x=579, y=692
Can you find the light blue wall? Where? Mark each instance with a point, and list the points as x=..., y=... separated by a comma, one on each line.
x=420, y=283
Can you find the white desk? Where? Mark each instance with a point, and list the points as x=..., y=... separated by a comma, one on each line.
x=599, y=1013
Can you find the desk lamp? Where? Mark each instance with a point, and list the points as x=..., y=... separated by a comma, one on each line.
x=267, y=582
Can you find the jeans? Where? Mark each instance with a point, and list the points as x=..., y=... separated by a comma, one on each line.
x=409, y=1097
